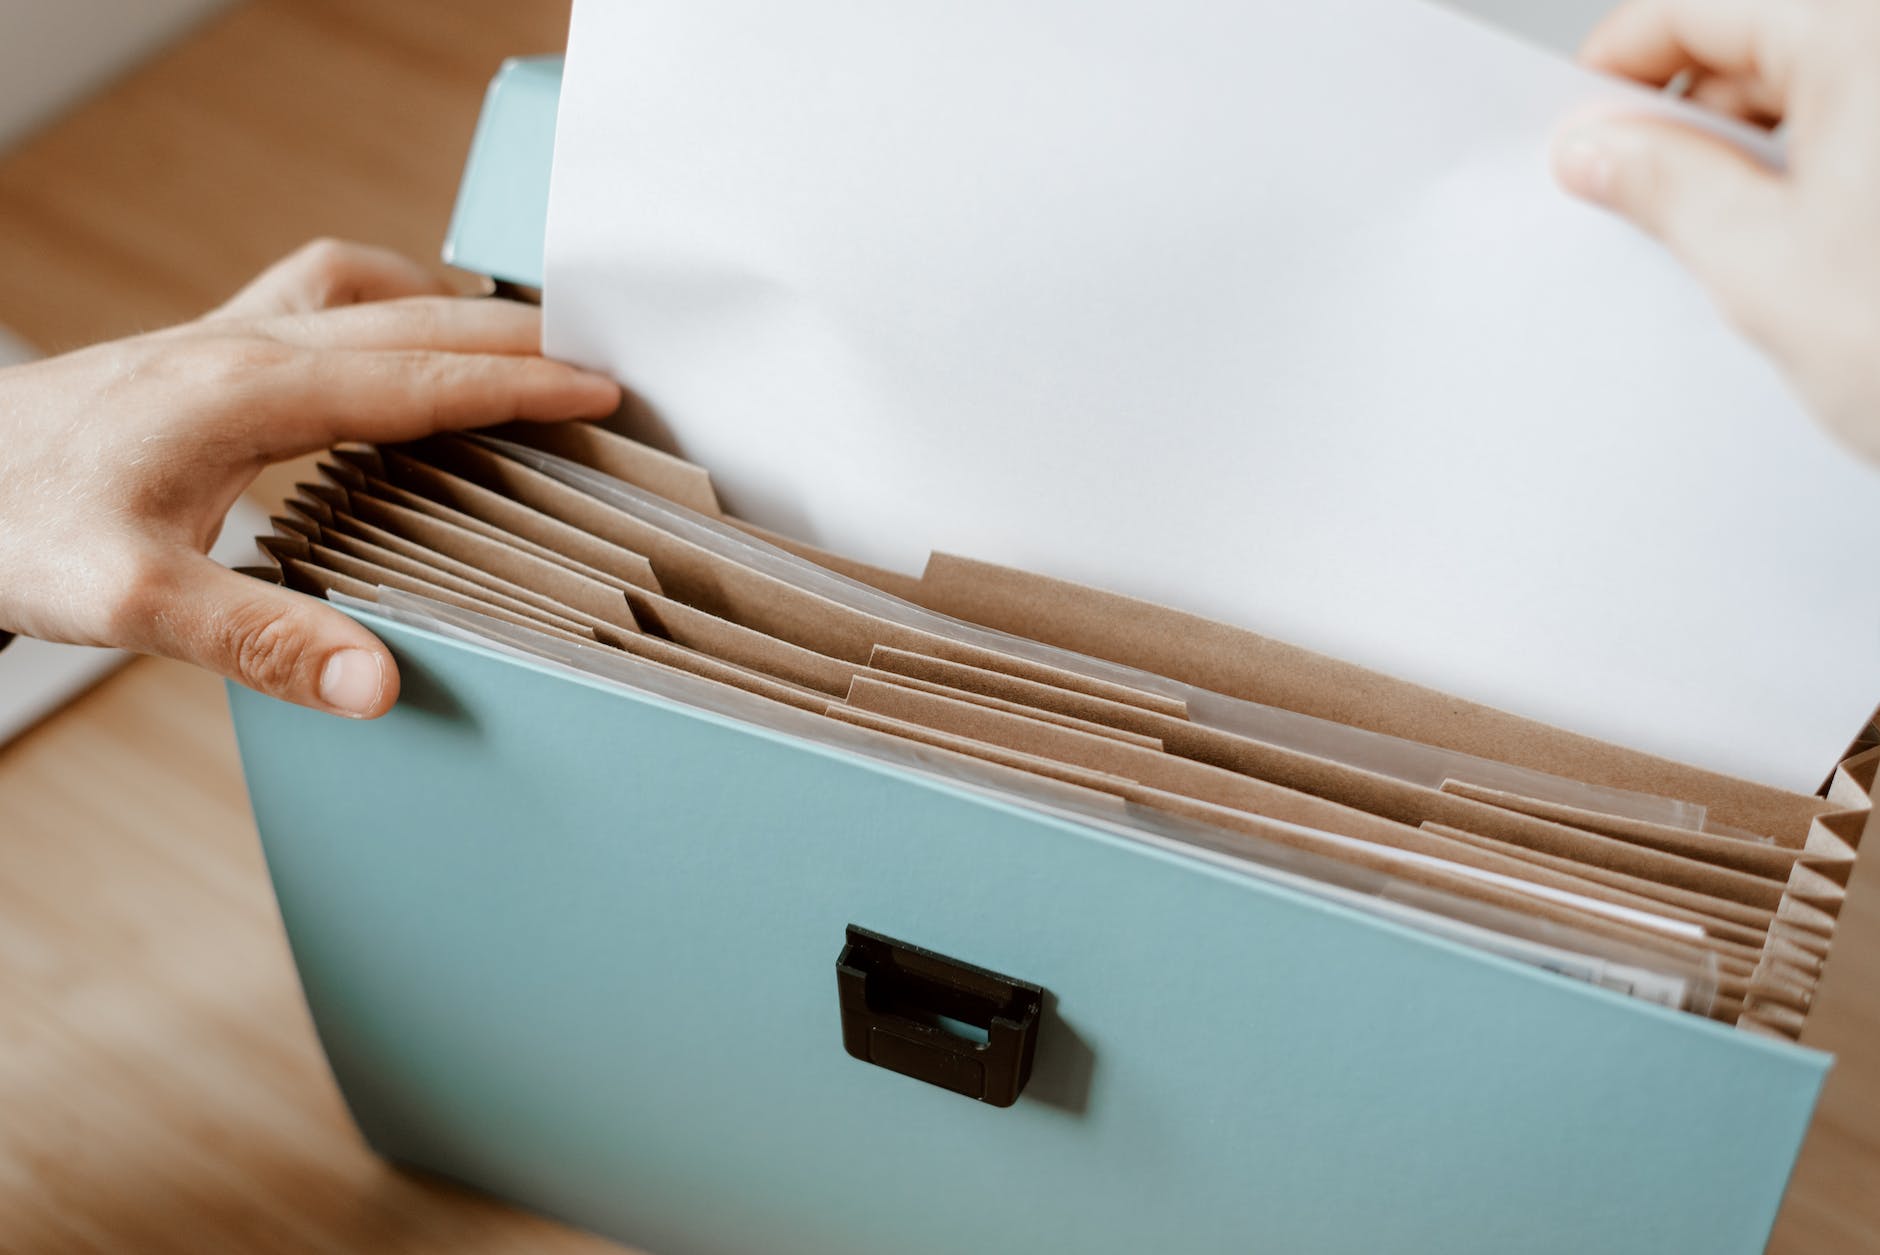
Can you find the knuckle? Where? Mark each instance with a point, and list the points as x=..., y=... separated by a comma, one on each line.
x=329, y=268
x=424, y=320
x=435, y=373
x=324, y=255
x=265, y=648
x=420, y=318
x=438, y=391
x=428, y=386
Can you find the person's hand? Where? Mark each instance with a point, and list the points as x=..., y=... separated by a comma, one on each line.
x=1793, y=258
x=118, y=462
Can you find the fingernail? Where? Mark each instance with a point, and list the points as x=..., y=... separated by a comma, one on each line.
x=1583, y=161
x=351, y=682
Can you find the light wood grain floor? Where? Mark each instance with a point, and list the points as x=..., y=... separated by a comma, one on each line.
x=160, y=1089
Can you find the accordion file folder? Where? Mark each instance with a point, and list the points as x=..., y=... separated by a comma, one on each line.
x=607, y=955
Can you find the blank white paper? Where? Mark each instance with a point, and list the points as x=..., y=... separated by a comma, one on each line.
x=1268, y=311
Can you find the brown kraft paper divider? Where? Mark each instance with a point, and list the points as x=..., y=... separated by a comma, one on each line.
x=728, y=589
x=677, y=480
x=677, y=657
x=695, y=629
x=750, y=653
x=319, y=500
x=1016, y=708
x=350, y=467
x=291, y=545
x=1590, y=848
x=643, y=647
x=894, y=583
x=453, y=593
x=307, y=577
x=1757, y=918
x=733, y=642
x=610, y=631
x=334, y=545
x=294, y=523
x=514, y=517
x=1032, y=764
x=1038, y=672
x=1240, y=663
x=479, y=544
x=316, y=500
x=1734, y=980
x=285, y=543
x=1132, y=717
x=680, y=658
x=1364, y=790
x=306, y=511
x=398, y=509
x=1455, y=881
x=1728, y=920
x=681, y=483
x=430, y=566
x=1227, y=789
x=551, y=586
x=1743, y=854
x=304, y=577
x=1053, y=783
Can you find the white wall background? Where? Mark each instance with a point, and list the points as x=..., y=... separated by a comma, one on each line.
x=52, y=52
x=1557, y=24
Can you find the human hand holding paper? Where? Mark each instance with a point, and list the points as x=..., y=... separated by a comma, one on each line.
x=119, y=461
x=1792, y=257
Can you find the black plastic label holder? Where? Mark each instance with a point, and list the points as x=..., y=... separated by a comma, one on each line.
x=898, y=1001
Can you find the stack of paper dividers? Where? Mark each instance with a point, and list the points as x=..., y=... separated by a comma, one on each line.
x=1712, y=894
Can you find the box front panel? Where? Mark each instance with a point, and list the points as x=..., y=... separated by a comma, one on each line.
x=578, y=948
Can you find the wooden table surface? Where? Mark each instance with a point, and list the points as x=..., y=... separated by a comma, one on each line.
x=160, y=1087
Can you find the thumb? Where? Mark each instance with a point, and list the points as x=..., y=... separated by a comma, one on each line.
x=1716, y=207
x=275, y=641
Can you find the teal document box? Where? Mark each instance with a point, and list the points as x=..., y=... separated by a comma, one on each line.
x=577, y=945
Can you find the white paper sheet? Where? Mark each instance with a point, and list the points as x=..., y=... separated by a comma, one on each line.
x=1264, y=310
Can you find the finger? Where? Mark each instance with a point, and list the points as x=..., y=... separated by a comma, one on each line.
x=1740, y=98
x=1655, y=40
x=1716, y=207
x=390, y=397
x=328, y=273
x=451, y=324
x=270, y=639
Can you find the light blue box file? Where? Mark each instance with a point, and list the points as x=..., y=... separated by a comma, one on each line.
x=502, y=203
x=574, y=945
